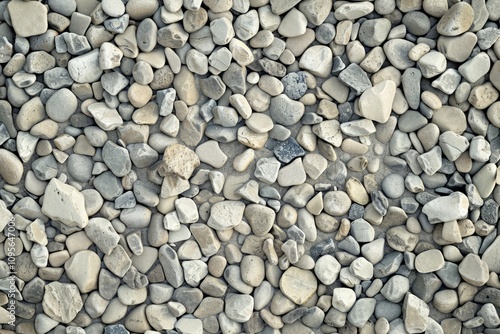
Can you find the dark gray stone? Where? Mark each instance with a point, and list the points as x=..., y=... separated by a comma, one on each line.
x=134, y=279
x=409, y=204
x=338, y=65
x=311, y=118
x=324, y=247
x=350, y=245
x=213, y=87
x=33, y=290
x=355, y=78
x=286, y=151
x=425, y=286
x=489, y=212
x=388, y=265
x=488, y=295
x=116, y=329
x=411, y=86
x=108, y=185
x=456, y=182
x=294, y=85
x=325, y=33
x=272, y=67
x=466, y=312
x=108, y=284
x=294, y=315
x=45, y=168
x=295, y=233
x=116, y=158
x=345, y=112
x=189, y=297
x=380, y=202
x=388, y=310
x=4, y=134
x=449, y=275
x=142, y=155
x=356, y=211
x=57, y=78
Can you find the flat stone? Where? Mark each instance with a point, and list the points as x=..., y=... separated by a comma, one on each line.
x=116, y=158
x=65, y=204
x=429, y=261
x=473, y=69
x=226, y=214
x=317, y=60
x=298, y=285
x=397, y=51
x=432, y=64
x=118, y=261
x=431, y=161
x=447, y=208
x=83, y=269
x=336, y=203
x=260, y=218
x=293, y=24
x=327, y=269
x=62, y=301
x=395, y=289
x=285, y=111
x=106, y=118
x=239, y=307
x=453, y=145
x=474, y=270
x=355, y=78
x=28, y=18
x=491, y=256
x=210, y=153
x=415, y=314
x=361, y=312
x=376, y=102
x=329, y=131
x=13, y=167
x=457, y=48
x=85, y=68
x=457, y=20
x=292, y=174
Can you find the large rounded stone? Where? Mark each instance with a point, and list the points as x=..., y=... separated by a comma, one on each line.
x=299, y=285
x=12, y=167
x=83, y=269
x=62, y=301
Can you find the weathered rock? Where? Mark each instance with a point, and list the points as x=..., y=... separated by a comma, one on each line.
x=62, y=301
x=64, y=203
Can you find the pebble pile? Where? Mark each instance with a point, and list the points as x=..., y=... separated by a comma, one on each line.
x=250, y=166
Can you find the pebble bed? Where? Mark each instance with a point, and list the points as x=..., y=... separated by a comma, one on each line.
x=249, y=166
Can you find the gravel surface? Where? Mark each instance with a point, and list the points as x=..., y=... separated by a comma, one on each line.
x=249, y=166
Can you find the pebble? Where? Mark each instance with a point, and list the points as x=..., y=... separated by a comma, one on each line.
x=393, y=186
x=429, y=261
x=226, y=214
x=318, y=60
x=65, y=204
x=28, y=19
x=13, y=171
x=456, y=206
x=376, y=102
x=457, y=20
x=61, y=301
x=298, y=285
